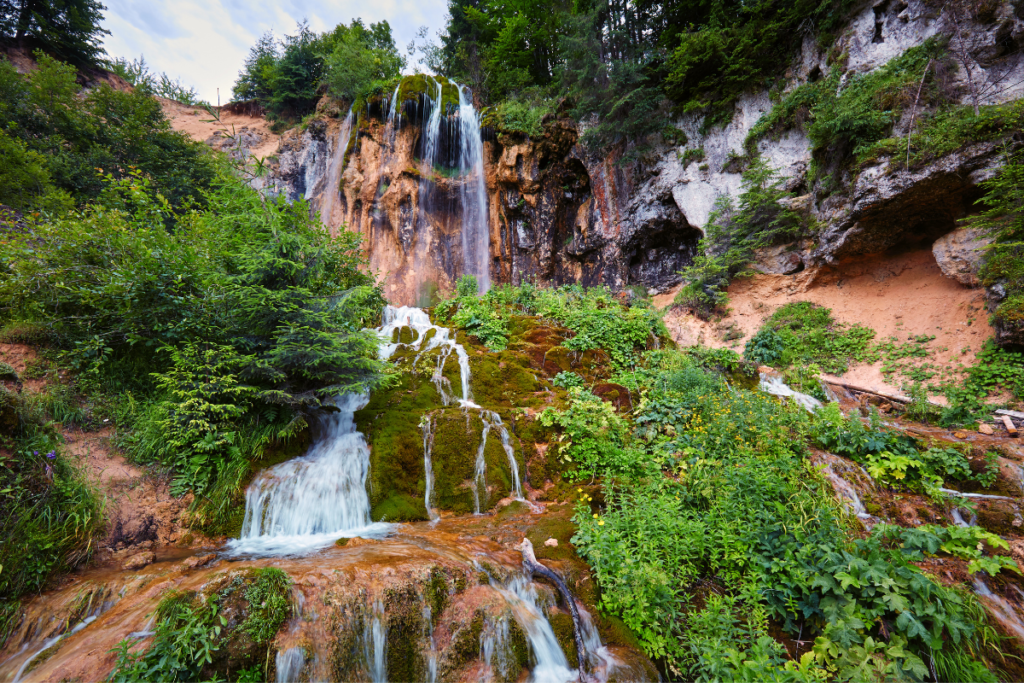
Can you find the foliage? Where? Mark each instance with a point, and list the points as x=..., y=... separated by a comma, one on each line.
x=247, y=318
x=595, y=316
x=73, y=134
x=522, y=117
x=1003, y=217
x=801, y=333
x=287, y=79
x=594, y=436
x=360, y=57
x=191, y=629
x=844, y=115
x=568, y=380
x=743, y=531
x=732, y=236
x=965, y=543
x=68, y=29
x=138, y=74
x=48, y=512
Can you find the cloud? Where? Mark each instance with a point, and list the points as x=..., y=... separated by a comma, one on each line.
x=204, y=42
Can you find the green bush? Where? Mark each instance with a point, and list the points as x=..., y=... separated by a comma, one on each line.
x=809, y=335
x=52, y=129
x=732, y=236
x=232, y=329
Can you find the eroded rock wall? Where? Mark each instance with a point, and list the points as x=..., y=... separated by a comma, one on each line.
x=558, y=213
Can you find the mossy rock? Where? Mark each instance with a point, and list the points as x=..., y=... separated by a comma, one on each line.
x=565, y=634
x=412, y=87
x=404, y=618
x=8, y=373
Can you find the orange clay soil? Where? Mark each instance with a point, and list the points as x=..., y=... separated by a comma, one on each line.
x=199, y=125
x=898, y=295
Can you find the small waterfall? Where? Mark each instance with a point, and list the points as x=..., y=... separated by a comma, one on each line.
x=476, y=234
x=426, y=426
x=289, y=664
x=432, y=655
x=772, y=383
x=334, y=172
x=310, y=501
x=418, y=322
x=551, y=665
x=375, y=645
x=494, y=647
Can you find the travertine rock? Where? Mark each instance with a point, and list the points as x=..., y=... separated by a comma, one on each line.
x=959, y=254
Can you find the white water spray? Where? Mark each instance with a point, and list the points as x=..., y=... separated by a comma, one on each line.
x=334, y=172
x=476, y=235
x=308, y=502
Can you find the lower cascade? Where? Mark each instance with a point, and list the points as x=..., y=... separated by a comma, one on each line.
x=310, y=501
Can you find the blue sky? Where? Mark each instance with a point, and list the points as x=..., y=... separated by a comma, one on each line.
x=204, y=42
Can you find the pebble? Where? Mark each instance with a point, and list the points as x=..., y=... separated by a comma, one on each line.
x=551, y=543
x=960, y=435
x=986, y=429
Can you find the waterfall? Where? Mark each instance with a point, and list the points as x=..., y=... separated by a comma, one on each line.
x=426, y=426
x=375, y=645
x=310, y=501
x=334, y=172
x=476, y=234
x=289, y=664
x=418, y=322
x=551, y=665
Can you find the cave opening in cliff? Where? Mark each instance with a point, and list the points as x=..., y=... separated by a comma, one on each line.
x=655, y=261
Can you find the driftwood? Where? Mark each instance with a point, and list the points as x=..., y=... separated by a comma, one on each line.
x=1011, y=428
x=1011, y=413
x=535, y=568
x=865, y=390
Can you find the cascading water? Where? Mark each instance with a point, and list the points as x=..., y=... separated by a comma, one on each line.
x=311, y=501
x=374, y=644
x=337, y=167
x=551, y=665
x=476, y=236
x=426, y=426
x=419, y=324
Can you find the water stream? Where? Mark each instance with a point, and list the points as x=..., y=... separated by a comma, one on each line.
x=476, y=236
x=310, y=501
x=337, y=166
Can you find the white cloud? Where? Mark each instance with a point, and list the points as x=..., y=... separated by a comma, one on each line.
x=204, y=42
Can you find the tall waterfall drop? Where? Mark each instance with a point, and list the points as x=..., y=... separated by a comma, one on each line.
x=476, y=235
x=332, y=191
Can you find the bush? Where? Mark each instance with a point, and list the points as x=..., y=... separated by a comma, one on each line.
x=809, y=335
x=732, y=236
x=233, y=329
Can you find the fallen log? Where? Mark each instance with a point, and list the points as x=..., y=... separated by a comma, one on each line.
x=865, y=390
x=1011, y=413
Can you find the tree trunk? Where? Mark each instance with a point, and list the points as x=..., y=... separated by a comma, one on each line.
x=24, y=20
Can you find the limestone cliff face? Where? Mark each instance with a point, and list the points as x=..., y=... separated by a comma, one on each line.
x=559, y=214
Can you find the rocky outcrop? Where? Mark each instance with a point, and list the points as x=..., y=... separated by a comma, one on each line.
x=959, y=254
x=559, y=213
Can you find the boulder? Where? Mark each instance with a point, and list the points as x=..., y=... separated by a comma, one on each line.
x=783, y=259
x=959, y=254
x=139, y=560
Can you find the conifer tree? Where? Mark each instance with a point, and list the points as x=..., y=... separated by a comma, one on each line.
x=69, y=29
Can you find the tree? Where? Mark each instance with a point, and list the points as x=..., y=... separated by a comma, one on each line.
x=69, y=29
x=359, y=56
x=255, y=77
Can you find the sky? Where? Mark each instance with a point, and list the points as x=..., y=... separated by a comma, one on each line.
x=203, y=43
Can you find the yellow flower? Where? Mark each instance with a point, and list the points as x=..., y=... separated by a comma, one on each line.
x=601, y=523
x=595, y=515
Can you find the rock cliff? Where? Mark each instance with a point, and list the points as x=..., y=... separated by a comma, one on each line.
x=557, y=213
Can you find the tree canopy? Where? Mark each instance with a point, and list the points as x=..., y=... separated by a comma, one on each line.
x=68, y=29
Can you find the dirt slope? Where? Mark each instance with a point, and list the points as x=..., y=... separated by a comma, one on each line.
x=900, y=295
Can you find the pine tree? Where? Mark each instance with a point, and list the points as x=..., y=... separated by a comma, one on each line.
x=69, y=29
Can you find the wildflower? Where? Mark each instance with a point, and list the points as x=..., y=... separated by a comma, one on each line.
x=595, y=515
x=601, y=523
x=51, y=455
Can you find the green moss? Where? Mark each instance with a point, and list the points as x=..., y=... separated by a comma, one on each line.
x=268, y=604
x=565, y=633
x=558, y=526
x=413, y=86
x=405, y=660
x=400, y=507
x=613, y=631
x=511, y=510
x=464, y=646
x=437, y=591
x=456, y=439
